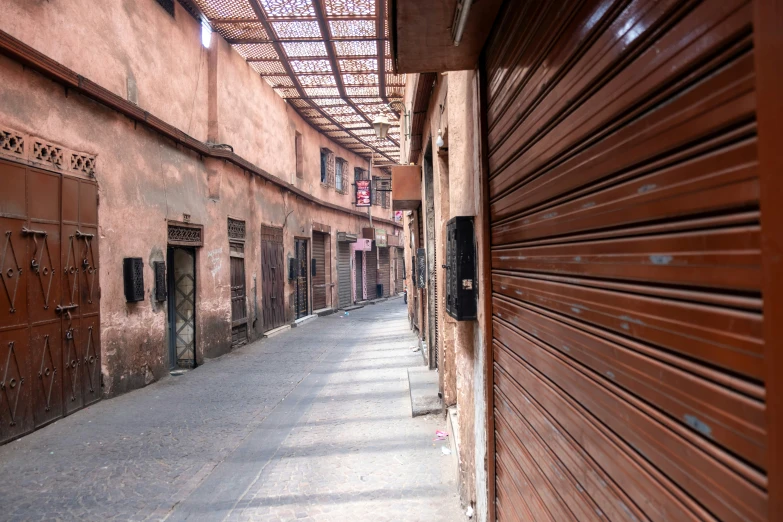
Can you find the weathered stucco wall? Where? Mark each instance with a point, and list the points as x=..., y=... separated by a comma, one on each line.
x=144, y=179
x=453, y=108
x=123, y=42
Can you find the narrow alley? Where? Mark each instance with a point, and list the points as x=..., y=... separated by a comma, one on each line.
x=311, y=424
x=366, y=260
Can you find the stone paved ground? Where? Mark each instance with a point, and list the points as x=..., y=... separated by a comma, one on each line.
x=313, y=424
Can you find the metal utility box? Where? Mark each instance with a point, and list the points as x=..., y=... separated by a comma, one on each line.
x=460, y=269
x=133, y=279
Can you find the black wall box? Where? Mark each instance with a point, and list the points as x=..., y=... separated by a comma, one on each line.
x=133, y=277
x=460, y=269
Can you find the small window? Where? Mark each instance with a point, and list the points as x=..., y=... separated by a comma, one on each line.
x=340, y=181
x=324, y=159
x=327, y=167
x=299, y=156
x=359, y=173
x=168, y=5
x=374, y=194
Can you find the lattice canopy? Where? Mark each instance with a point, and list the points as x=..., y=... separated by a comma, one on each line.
x=330, y=59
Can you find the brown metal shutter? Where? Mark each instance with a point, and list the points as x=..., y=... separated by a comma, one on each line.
x=344, y=273
x=319, y=280
x=384, y=277
x=625, y=257
x=400, y=266
x=372, y=271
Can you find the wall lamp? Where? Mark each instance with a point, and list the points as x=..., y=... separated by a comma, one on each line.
x=398, y=106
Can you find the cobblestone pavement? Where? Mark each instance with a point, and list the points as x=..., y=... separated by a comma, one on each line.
x=313, y=424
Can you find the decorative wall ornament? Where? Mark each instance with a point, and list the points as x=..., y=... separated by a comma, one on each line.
x=48, y=153
x=183, y=234
x=44, y=153
x=12, y=142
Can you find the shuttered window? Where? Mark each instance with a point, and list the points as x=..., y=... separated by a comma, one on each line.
x=626, y=262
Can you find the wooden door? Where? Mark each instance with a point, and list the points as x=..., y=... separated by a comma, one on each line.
x=626, y=301
x=344, y=273
x=319, y=279
x=301, y=304
x=238, y=296
x=272, y=278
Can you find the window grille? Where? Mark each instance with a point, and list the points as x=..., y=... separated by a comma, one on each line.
x=327, y=167
x=374, y=193
x=341, y=181
x=236, y=229
x=299, y=156
x=185, y=235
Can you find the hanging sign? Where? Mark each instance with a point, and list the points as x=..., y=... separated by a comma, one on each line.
x=363, y=193
x=380, y=237
x=398, y=215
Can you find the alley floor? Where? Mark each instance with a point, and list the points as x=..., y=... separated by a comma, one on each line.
x=312, y=424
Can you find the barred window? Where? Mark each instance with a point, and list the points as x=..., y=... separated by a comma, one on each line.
x=299, y=156
x=359, y=173
x=374, y=193
x=340, y=180
x=327, y=167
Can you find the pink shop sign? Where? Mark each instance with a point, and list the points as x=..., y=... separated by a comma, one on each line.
x=362, y=245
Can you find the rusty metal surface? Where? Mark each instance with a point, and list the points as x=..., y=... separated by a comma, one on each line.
x=49, y=311
x=626, y=257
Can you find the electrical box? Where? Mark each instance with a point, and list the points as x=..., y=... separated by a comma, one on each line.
x=160, y=280
x=133, y=278
x=460, y=269
x=313, y=268
x=421, y=267
x=292, y=269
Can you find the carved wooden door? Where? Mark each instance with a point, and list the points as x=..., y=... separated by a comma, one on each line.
x=272, y=277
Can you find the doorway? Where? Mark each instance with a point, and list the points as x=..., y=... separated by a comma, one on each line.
x=359, y=269
x=182, y=307
x=320, y=275
x=272, y=277
x=300, y=293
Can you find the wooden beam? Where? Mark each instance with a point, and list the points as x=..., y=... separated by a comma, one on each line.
x=259, y=11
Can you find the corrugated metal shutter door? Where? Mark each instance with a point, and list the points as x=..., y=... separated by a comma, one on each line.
x=625, y=255
x=372, y=271
x=344, y=273
x=385, y=276
x=319, y=280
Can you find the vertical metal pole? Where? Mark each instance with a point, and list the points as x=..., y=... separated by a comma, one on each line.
x=369, y=209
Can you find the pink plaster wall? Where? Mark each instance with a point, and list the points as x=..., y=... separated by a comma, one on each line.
x=145, y=180
x=112, y=40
